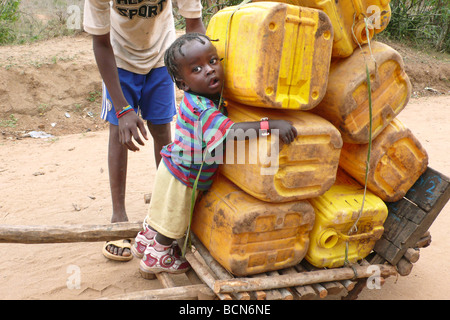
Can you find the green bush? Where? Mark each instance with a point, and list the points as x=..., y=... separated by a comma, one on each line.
x=425, y=22
x=8, y=15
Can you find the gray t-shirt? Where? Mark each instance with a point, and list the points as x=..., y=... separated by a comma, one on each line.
x=140, y=30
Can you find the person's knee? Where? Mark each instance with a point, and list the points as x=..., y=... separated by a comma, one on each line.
x=113, y=131
x=116, y=148
x=161, y=133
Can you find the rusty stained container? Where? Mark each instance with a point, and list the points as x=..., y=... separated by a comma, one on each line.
x=337, y=211
x=346, y=15
x=248, y=236
x=272, y=171
x=275, y=55
x=346, y=103
x=397, y=160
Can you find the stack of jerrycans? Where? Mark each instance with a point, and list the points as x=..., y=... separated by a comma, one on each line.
x=284, y=61
x=255, y=218
x=397, y=159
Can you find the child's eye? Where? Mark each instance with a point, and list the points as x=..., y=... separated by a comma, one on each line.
x=196, y=69
x=213, y=61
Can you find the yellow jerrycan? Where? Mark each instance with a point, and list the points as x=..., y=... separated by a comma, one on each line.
x=275, y=55
x=337, y=212
x=347, y=18
x=397, y=160
x=248, y=236
x=346, y=103
x=271, y=171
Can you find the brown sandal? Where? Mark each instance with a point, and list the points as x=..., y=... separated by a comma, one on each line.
x=119, y=244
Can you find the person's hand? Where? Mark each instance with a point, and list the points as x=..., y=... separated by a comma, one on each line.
x=129, y=126
x=286, y=131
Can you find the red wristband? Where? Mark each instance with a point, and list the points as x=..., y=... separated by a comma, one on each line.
x=264, y=126
x=124, y=111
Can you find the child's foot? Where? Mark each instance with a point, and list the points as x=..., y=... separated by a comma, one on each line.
x=143, y=239
x=160, y=258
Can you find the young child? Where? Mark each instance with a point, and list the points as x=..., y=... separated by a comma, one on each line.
x=201, y=128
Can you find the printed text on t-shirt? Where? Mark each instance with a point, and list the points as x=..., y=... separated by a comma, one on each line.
x=131, y=8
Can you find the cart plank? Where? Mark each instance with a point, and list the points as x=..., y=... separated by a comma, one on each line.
x=409, y=218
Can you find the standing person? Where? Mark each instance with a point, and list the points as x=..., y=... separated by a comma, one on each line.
x=129, y=41
x=201, y=130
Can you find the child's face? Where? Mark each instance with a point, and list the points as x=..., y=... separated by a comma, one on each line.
x=201, y=70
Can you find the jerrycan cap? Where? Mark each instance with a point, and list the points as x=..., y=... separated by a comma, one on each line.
x=360, y=35
x=328, y=238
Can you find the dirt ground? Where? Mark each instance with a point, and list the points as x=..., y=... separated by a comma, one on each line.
x=54, y=87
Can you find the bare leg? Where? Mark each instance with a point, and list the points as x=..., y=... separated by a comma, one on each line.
x=117, y=163
x=161, y=134
x=162, y=239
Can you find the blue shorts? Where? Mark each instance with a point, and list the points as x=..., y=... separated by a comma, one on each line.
x=151, y=95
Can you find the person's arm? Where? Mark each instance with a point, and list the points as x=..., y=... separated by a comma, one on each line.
x=191, y=11
x=195, y=25
x=286, y=131
x=130, y=122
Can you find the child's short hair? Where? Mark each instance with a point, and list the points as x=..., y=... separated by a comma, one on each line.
x=169, y=55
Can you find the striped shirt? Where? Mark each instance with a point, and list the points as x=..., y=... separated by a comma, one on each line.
x=199, y=130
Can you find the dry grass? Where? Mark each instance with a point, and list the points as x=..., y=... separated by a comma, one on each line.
x=44, y=19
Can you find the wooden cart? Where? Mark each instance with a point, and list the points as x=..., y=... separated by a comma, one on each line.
x=406, y=231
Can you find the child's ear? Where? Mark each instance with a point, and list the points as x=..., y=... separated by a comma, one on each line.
x=182, y=85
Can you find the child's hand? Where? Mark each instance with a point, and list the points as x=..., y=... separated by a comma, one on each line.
x=287, y=132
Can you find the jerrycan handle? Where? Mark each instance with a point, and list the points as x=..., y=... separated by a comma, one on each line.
x=329, y=237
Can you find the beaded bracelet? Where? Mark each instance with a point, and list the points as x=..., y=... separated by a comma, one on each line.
x=124, y=111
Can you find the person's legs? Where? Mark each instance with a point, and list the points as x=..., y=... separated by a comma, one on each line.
x=157, y=106
x=168, y=217
x=117, y=165
x=162, y=136
x=163, y=240
x=118, y=155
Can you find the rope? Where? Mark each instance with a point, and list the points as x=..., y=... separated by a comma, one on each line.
x=354, y=227
x=187, y=239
